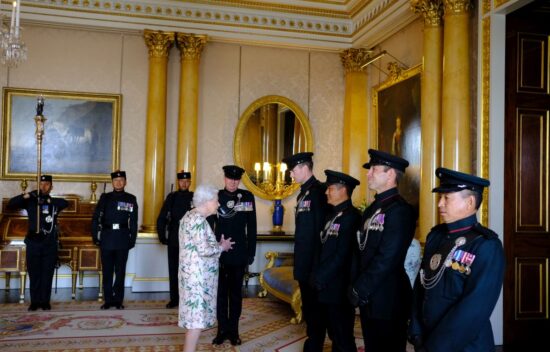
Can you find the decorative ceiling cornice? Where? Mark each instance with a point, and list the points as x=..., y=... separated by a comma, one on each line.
x=322, y=24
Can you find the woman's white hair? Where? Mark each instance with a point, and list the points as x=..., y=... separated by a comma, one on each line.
x=203, y=194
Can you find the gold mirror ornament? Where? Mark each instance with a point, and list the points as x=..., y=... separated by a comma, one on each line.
x=270, y=129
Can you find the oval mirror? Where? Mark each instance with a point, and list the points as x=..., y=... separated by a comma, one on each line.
x=270, y=129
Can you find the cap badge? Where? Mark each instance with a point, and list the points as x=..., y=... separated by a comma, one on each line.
x=435, y=260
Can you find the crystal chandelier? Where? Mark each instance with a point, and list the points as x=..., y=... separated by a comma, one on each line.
x=12, y=49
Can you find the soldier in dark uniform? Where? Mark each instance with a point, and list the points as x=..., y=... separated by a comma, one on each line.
x=236, y=220
x=174, y=208
x=114, y=230
x=461, y=273
x=332, y=272
x=381, y=287
x=42, y=245
x=311, y=208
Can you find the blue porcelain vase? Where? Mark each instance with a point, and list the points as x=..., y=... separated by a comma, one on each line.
x=278, y=214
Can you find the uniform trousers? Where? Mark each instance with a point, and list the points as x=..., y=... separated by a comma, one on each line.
x=114, y=261
x=173, y=263
x=382, y=335
x=230, y=298
x=41, y=257
x=340, y=319
x=316, y=327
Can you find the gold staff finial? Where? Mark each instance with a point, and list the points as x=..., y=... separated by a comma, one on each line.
x=39, y=120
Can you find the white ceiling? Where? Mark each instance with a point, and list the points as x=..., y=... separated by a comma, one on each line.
x=319, y=24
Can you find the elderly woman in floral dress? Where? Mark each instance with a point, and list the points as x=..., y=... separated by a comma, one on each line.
x=198, y=266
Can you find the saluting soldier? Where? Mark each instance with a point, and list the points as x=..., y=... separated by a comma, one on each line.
x=332, y=273
x=311, y=208
x=174, y=208
x=381, y=287
x=42, y=245
x=461, y=273
x=236, y=220
x=114, y=230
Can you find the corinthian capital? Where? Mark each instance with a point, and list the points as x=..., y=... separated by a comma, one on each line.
x=432, y=10
x=353, y=59
x=190, y=45
x=158, y=42
x=457, y=7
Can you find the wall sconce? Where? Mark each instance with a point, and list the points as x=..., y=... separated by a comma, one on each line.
x=374, y=58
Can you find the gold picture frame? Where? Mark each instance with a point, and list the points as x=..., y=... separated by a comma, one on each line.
x=245, y=143
x=397, y=112
x=81, y=141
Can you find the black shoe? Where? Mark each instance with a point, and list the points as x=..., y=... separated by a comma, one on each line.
x=219, y=339
x=105, y=306
x=172, y=304
x=46, y=306
x=235, y=340
x=33, y=307
x=119, y=306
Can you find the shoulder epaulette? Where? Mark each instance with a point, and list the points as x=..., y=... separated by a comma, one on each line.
x=484, y=231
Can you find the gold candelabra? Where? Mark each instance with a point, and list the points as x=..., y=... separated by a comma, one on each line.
x=272, y=179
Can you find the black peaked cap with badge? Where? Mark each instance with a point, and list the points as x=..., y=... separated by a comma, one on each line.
x=455, y=181
x=378, y=157
x=118, y=173
x=341, y=178
x=298, y=158
x=47, y=178
x=233, y=172
x=182, y=175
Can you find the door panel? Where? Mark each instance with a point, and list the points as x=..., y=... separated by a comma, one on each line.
x=527, y=177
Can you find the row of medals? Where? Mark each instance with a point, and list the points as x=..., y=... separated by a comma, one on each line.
x=454, y=260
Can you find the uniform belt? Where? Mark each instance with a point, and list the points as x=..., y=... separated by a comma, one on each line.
x=115, y=226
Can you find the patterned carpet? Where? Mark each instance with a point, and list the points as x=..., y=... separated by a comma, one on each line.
x=142, y=326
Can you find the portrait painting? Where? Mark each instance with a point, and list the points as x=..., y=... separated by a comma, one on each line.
x=81, y=135
x=397, y=109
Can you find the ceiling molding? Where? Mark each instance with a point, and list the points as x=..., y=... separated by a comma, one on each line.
x=325, y=24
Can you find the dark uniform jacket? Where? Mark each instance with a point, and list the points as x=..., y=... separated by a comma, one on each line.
x=382, y=280
x=311, y=207
x=168, y=222
x=237, y=219
x=49, y=211
x=453, y=315
x=114, y=224
x=332, y=272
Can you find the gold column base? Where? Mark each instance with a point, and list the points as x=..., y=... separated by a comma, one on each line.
x=148, y=228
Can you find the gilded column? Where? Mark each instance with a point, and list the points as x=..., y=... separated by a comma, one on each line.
x=355, y=118
x=159, y=44
x=190, y=46
x=456, y=100
x=432, y=66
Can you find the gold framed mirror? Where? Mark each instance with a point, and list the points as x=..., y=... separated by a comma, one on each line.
x=271, y=128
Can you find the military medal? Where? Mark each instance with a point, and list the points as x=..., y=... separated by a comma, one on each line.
x=49, y=219
x=462, y=261
x=301, y=204
x=331, y=229
x=453, y=260
x=230, y=204
x=468, y=260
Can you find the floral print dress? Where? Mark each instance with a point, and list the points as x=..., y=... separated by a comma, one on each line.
x=197, y=272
